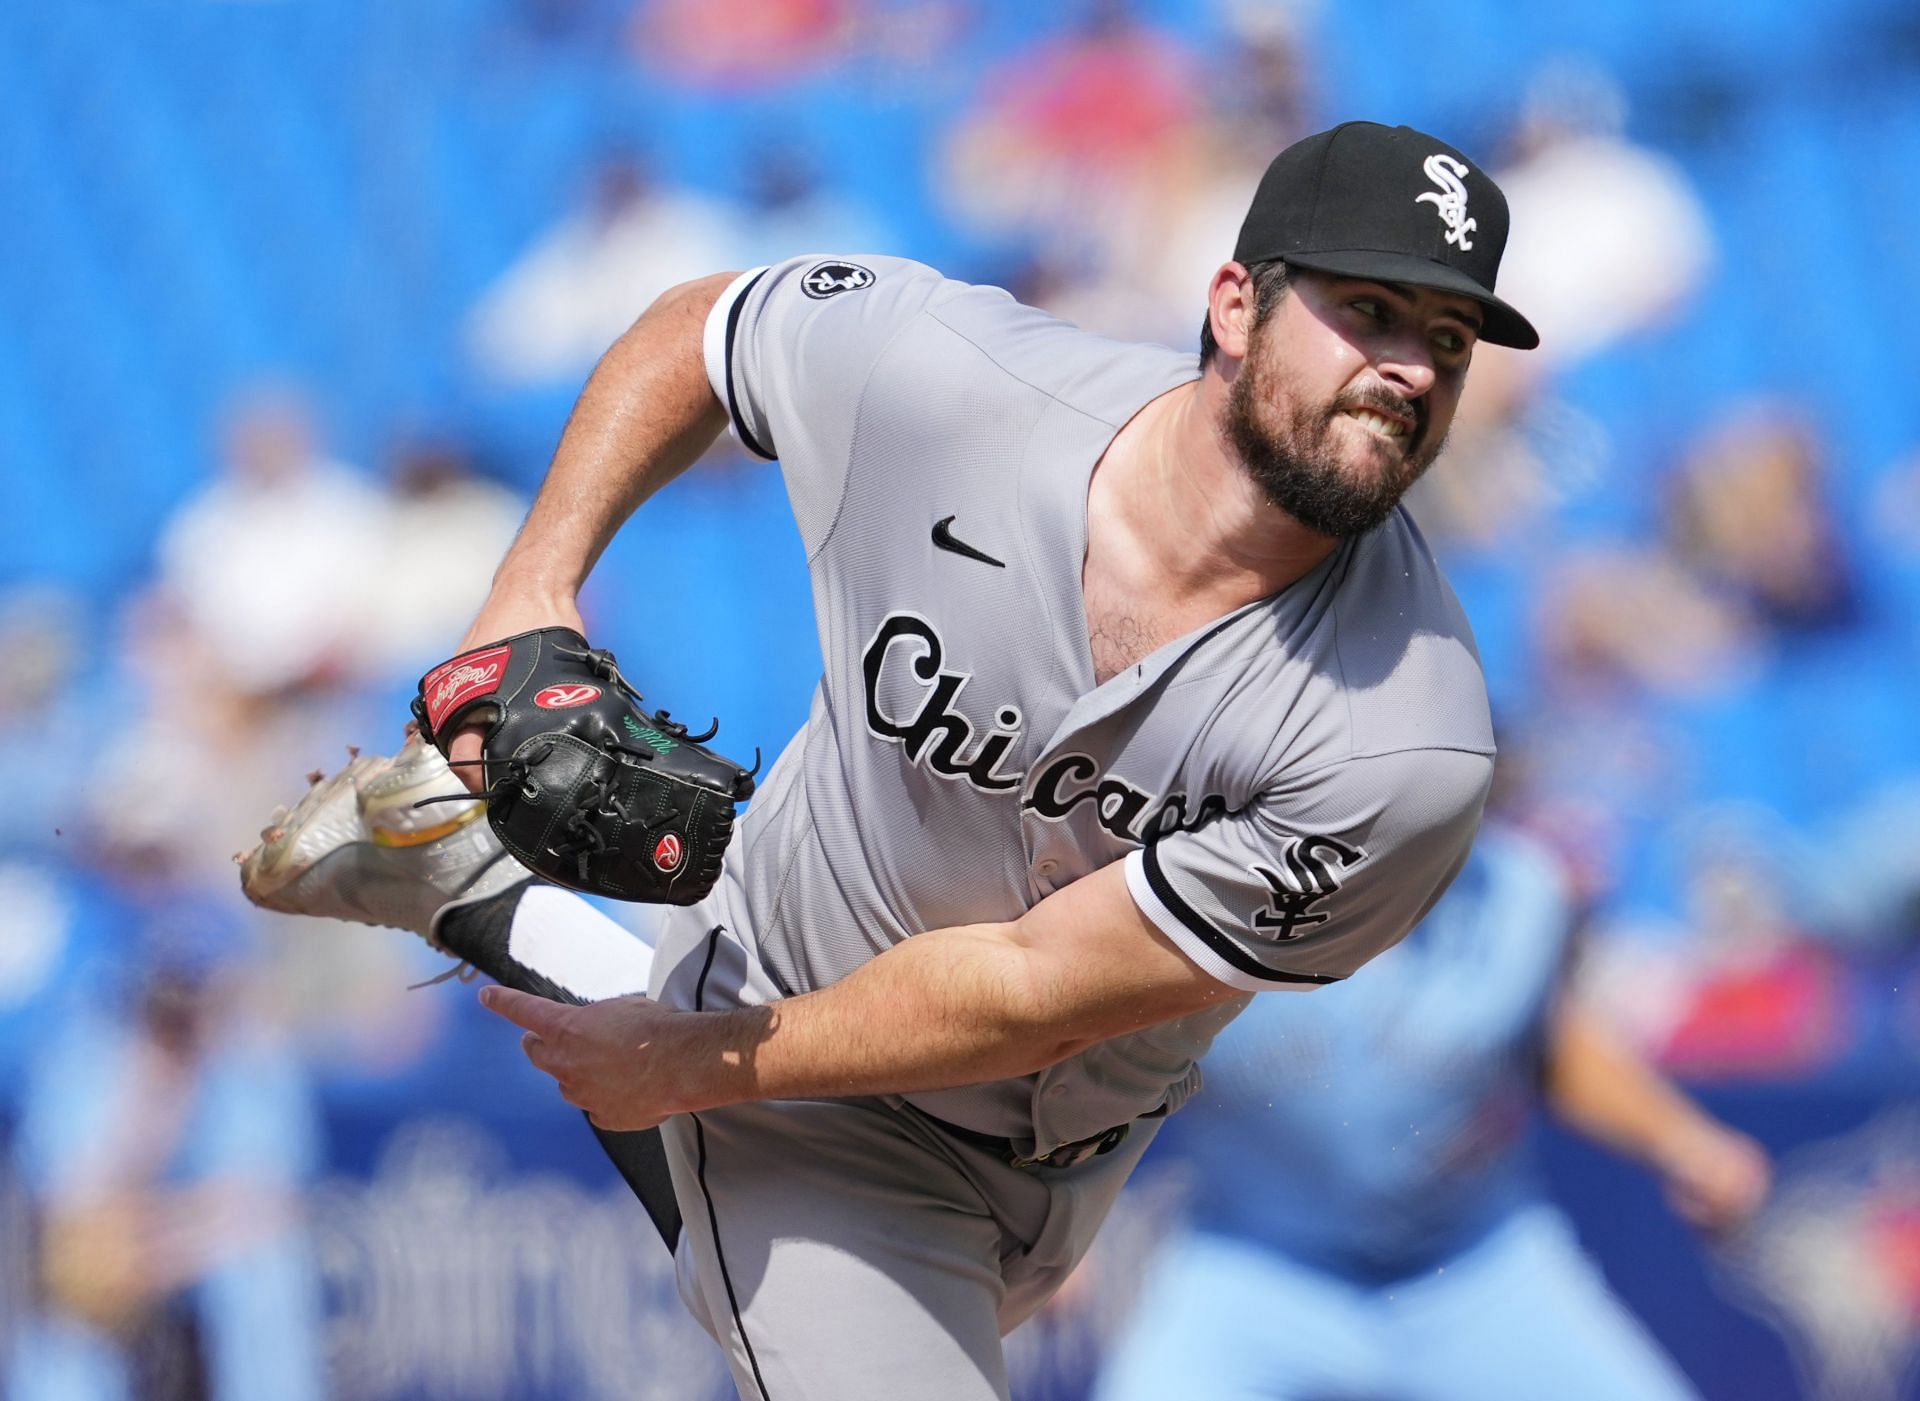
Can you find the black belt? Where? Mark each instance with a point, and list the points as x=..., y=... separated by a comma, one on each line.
x=1065, y=1156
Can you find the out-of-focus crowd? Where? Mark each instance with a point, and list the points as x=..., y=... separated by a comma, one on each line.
x=1698, y=635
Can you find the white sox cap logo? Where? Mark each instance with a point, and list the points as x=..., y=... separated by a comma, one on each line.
x=1450, y=199
x=824, y=280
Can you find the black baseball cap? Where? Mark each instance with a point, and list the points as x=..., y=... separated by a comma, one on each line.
x=1388, y=203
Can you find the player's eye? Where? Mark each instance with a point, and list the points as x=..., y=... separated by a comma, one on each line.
x=1369, y=307
x=1451, y=341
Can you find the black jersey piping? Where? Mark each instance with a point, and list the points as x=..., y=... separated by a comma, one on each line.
x=1229, y=951
x=733, y=402
x=700, y=1172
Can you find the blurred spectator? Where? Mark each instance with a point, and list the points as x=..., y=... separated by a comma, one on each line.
x=1075, y=143
x=910, y=49
x=1893, y=544
x=555, y=311
x=265, y=566
x=1621, y=622
x=444, y=531
x=42, y=628
x=1834, y=1260
x=1609, y=236
x=1146, y=278
x=1622, y=639
x=1364, y=1221
x=164, y=1151
x=742, y=43
x=791, y=210
x=182, y=781
x=1866, y=888
x=1753, y=994
x=1748, y=514
x=1609, y=239
x=1259, y=105
x=1266, y=102
x=194, y=759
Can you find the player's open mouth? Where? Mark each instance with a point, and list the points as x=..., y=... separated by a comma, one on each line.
x=1378, y=424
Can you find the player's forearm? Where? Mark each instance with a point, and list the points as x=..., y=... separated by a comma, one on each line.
x=1602, y=1089
x=945, y=1008
x=646, y=415
x=953, y=1007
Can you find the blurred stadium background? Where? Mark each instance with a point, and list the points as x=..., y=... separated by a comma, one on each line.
x=295, y=297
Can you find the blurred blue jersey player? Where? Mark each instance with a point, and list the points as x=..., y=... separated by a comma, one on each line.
x=1363, y=1223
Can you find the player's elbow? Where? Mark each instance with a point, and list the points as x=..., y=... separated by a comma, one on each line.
x=1056, y=1012
x=1016, y=1006
x=695, y=298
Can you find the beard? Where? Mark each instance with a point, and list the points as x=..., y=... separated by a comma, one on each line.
x=1294, y=458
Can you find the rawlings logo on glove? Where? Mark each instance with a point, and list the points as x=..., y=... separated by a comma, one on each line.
x=581, y=785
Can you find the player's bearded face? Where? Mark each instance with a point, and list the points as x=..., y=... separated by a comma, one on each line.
x=1310, y=457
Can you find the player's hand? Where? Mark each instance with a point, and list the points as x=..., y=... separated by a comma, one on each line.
x=503, y=616
x=1716, y=1178
x=604, y=1056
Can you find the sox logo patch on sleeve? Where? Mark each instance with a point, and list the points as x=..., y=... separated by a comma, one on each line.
x=1311, y=870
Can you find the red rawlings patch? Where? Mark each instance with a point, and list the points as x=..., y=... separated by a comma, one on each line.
x=452, y=684
x=560, y=697
x=668, y=852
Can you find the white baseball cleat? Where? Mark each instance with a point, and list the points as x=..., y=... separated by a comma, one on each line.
x=357, y=848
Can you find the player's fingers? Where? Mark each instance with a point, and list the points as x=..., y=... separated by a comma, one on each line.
x=524, y=1010
x=463, y=754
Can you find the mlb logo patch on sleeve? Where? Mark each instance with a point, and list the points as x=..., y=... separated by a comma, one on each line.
x=824, y=280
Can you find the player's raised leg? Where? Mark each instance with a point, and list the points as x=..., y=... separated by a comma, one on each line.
x=361, y=847
x=399, y=842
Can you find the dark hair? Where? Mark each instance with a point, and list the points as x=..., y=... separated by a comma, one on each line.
x=1269, y=286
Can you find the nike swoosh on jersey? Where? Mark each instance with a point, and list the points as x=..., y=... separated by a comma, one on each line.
x=944, y=539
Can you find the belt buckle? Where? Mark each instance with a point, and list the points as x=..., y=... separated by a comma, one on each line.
x=1073, y=1154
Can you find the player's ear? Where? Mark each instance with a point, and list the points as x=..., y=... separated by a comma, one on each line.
x=1230, y=309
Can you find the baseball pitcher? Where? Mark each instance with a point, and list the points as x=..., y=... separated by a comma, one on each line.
x=1142, y=695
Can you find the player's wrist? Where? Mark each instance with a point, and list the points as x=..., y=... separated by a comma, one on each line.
x=516, y=606
x=710, y=1060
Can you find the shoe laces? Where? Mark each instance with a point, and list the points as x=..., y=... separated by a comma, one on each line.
x=463, y=972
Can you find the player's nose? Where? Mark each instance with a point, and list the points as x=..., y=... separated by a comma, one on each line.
x=1407, y=366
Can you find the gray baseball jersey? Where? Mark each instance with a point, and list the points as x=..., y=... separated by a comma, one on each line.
x=1290, y=786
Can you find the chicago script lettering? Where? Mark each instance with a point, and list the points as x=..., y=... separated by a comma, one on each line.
x=938, y=735
x=1066, y=782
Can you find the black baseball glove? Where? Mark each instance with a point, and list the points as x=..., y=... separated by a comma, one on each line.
x=582, y=785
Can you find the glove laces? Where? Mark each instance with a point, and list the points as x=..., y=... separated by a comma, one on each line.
x=601, y=663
